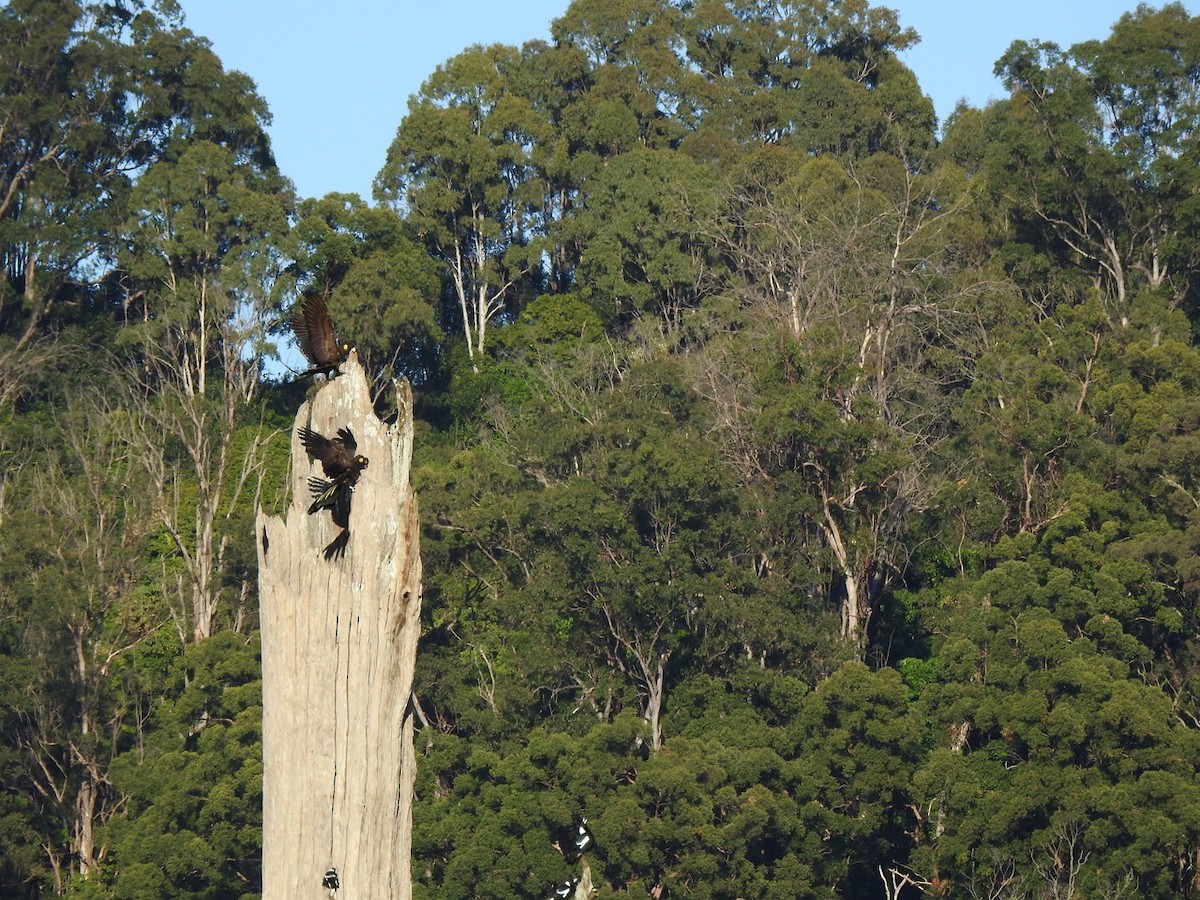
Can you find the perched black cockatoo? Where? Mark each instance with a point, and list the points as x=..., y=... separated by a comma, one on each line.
x=564, y=890
x=314, y=333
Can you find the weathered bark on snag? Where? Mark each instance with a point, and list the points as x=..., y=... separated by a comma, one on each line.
x=339, y=642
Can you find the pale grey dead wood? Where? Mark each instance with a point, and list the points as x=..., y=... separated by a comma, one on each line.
x=584, y=890
x=339, y=642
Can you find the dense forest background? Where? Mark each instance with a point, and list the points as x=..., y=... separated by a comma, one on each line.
x=811, y=493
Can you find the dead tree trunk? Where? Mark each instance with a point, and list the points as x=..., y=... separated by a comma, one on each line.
x=339, y=642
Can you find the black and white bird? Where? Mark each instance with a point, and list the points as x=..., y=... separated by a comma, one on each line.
x=331, y=881
x=564, y=890
x=575, y=842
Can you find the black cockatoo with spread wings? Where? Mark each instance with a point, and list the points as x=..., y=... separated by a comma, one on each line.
x=339, y=456
x=342, y=464
x=314, y=333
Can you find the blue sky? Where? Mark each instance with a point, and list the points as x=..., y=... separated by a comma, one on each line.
x=338, y=83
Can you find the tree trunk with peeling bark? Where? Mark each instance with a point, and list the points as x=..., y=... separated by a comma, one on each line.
x=339, y=641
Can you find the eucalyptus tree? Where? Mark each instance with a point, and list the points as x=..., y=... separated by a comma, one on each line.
x=70, y=138
x=137, y=175
x=658, y=563
x=823, y=76
x=610, y=543
x=61, y=129
x=199, y=266
x=862, y=282
x=1094, y=150
x=121, y=137
x=555, y=79
x=641, y=255
x=637, y=91
x=461, y=172
x=379, y=282
x=72, y=570
x=92, y=94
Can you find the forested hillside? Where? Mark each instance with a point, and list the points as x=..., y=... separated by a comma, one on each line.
x=811, y=490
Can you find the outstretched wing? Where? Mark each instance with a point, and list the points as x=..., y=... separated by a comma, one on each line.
x=323, y=492
x=314, y=331
x=319, y=446
x=335, y=461
x=346, y=436
x=333, y=496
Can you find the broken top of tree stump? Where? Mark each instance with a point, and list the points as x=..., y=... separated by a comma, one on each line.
x=339, y=641
x=344, y=402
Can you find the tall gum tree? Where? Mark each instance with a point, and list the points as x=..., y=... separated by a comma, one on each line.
x=641, y=257
x=72, y=562
x=200, y=268
x=1095, y=148
x=459, y=169
x=128, y=149
x=91, y=95
x=377, y=280
x=69, y=143
x=823, y=76
x=858, y=277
